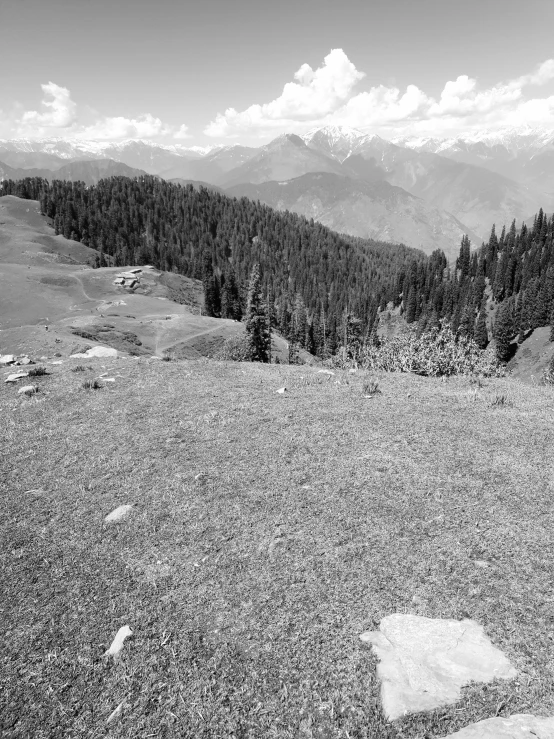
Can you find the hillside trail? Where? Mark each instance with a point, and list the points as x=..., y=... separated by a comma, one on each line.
x=188, y=338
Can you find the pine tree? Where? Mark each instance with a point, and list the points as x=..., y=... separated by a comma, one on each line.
x=210, y=287
x=257, y=321
x=504, y=330
x=481, y=335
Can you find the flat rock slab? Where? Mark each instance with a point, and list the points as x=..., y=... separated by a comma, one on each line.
x=424, y=662
x=518, y=726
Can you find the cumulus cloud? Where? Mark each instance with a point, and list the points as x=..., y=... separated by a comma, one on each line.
x=313, y=95
x=327, y=96
x=182, y=133
x=143, y=127
x=60, y=116
x=59, y=110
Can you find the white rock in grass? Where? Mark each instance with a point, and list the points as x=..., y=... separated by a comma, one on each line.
x=281, y=391
x=425, y=662
x=117, y=644
x=27, y=389
x=15, y=377
x=115, y=713
x=7, y=359
x=518, y=726
x=118, y=513
x=325, y=372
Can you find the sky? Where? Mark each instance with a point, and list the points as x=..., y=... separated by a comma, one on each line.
x=201, y=72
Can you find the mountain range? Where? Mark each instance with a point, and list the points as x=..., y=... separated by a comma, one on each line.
x=424, y=192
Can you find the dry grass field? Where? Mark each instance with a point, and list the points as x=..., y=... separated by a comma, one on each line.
x=268, y=531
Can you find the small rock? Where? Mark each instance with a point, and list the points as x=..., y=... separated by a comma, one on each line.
x=325, y=372
x=17, y=376
x=352, y=371
x=115, y=713
x=23, y=360
x=482, y=563
x=108, y=379
x=281, y=391
x=28, y=390
x=518, y=726
x=59, y=361
x=7, y=359
x=118, y=513
x=117, y=644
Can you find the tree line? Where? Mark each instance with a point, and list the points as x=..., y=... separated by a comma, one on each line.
x=321, y=289
x=311, y=277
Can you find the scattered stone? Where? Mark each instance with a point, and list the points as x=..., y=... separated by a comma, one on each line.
x=518, y=726
x=115, y=713
x=118, y=513
x=98, y=351
x=117, y=644
x=281, y=391
x=17, y=376
x=425, y=662
x=28, y=390
x=7, y=359
x=325, y=372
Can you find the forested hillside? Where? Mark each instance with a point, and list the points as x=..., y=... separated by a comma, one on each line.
x=311, y=275
x=514, y=271
x=315, y=281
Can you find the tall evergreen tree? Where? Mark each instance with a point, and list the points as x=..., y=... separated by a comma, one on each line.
x=257, y=320
x=504, y=330
x=481, y=336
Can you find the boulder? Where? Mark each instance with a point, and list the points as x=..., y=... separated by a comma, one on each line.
x=23, y=360
x=424, y=662
x=98, y=351
x=7, y=359
x=518, y=726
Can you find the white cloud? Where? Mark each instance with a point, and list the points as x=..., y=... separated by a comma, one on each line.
x=313, y=95
x=60, y=116
x=326, y=96
x=143, y=127
x=182, y=133
x=59, y=109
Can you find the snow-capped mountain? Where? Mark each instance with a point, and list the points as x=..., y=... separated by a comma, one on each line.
x=524, y=154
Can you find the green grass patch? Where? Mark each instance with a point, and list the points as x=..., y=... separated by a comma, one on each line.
x=268, y=531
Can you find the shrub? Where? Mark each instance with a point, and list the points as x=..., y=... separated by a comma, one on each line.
x=37, y=371
x=547, y=377
x=235, y=349
x=438, y=352
x=91, y=385
x=371, y=387
x=79, y=368
x=500, y=400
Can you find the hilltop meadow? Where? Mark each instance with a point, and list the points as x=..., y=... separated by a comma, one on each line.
x=267, y=532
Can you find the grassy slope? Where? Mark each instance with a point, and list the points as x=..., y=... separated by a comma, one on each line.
x=373, y=507
x=45, y=280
